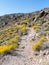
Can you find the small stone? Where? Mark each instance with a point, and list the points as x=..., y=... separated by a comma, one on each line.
x=23, y=47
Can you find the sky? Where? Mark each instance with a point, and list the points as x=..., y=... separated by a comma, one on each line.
x=22, y=6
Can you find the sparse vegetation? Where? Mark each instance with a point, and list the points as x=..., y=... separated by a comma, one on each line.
x=14, y=26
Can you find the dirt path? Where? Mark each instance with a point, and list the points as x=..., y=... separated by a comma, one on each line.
x=24, y=54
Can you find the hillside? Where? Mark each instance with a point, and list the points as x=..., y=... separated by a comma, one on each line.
x=24, y=38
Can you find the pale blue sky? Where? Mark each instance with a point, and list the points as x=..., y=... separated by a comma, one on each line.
x=22, y=6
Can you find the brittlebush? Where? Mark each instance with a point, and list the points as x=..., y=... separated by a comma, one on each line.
x=37, y=44
x=8, y=47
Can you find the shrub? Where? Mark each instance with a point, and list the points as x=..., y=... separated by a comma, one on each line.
x=31, y=23
x=23, y=21
x=14, y=39
x=38, y=43
x=12, y=44
x=23, y=30
x=36, y=28
x=8, y=47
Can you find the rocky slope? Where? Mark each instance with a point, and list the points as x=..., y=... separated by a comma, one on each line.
x=24, y=38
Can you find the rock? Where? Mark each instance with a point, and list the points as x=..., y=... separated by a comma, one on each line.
x=23, y=47
x=42, y=13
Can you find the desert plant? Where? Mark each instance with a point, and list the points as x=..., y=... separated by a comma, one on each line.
x=8, y=47
x=36, y=28
x=38, y=43
x=23, y=30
